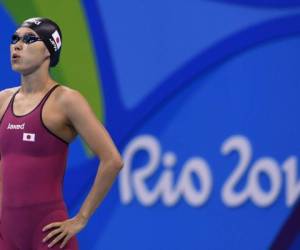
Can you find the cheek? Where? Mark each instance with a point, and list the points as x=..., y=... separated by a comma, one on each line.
x=34, y=53
x=41, y=52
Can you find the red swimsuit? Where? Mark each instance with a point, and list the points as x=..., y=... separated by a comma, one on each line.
x=33, y=164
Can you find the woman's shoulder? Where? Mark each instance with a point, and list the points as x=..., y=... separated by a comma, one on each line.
x=6, y=94
x=65, y=94
x=8, y=91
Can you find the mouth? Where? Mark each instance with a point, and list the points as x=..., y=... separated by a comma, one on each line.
x=15, y=56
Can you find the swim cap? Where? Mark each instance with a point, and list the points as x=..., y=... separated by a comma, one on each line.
x=50, y=33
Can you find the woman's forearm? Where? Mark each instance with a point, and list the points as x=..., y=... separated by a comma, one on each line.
x=106, y=174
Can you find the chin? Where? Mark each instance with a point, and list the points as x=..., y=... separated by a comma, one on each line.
x=23, y=70
x=16, y=68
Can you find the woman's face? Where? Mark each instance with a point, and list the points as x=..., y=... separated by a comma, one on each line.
x=28, y=57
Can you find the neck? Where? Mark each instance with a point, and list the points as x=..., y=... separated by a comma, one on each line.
x=36, y=81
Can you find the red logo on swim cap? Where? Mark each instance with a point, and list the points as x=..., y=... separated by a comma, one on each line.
x=56, y=40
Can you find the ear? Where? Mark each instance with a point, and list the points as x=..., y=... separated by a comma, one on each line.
x=47, y=53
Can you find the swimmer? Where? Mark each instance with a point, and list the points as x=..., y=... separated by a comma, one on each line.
x=38, y=121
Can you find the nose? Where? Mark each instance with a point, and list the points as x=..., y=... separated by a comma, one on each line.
x=17, y=46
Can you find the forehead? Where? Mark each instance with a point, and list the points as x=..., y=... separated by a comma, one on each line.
x=24, y=30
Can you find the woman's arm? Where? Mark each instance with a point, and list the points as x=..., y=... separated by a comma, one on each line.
x=95, y=135
x=81, y=117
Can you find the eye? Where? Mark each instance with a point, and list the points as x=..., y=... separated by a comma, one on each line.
x=14, y=39
x=30, y=38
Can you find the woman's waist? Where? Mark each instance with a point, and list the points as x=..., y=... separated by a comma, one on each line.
x=25, y=200
x=53, y=204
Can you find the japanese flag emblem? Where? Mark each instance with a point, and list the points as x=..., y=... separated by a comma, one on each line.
x=57, y=39
x=28, y=137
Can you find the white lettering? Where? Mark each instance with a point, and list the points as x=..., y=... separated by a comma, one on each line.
x=271, y=169
x=135, y=183
x=252, y=188
x=242, y=146
x=169, y=189
x=54, y=44
x=16, y=126
x=293, y=186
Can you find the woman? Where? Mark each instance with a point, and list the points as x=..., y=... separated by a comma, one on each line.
x=38, y=121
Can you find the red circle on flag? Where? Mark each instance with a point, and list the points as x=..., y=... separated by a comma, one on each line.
x=57, y=39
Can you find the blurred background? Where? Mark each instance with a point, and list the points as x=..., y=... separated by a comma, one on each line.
x=202, y=99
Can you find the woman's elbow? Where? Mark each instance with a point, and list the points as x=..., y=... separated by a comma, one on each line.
x=117, y=163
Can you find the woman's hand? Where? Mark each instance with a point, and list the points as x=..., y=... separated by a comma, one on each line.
x=64, y=230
